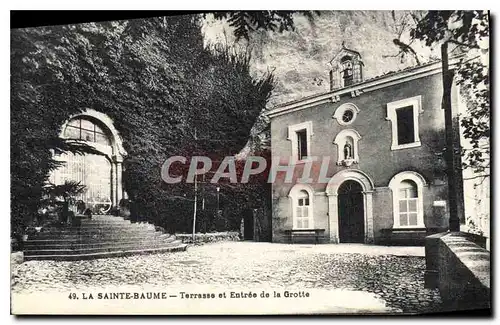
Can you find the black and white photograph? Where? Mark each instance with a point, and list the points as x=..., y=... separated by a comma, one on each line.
x=259, y=162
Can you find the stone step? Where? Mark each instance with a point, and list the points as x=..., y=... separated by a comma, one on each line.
x=105, y=226
x=70, y=231
x=113, y=248
x=90, y=232
x=103, y=218
x=106, y=222
x=84, y=239
x=109, y=243
x=111, y=225
x=100, y=237
x=73, y=257
x=104, y=229
x=96, y=237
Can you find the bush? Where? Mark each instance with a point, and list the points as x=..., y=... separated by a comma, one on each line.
x=157, y=84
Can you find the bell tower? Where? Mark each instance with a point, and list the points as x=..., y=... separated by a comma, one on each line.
x=346, y=68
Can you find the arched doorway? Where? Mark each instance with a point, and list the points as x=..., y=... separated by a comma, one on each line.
x=100, y=173
x=357, y=188
x=351, y=212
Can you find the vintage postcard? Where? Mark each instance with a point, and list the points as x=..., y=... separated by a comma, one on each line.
x=250, y=163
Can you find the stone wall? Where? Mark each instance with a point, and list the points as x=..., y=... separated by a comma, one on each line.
x=209, y=237
x=460, y=269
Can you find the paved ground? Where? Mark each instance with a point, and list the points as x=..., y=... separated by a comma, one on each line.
x=392, y=274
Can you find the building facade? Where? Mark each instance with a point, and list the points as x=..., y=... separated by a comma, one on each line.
x=366, y=158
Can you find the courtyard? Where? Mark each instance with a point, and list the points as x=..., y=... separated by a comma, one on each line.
x=345, y=278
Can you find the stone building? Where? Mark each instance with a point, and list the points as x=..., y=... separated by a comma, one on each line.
x=373, y=149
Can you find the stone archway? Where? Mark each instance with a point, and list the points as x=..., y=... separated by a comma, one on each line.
x=332, y=191
x=110, y=147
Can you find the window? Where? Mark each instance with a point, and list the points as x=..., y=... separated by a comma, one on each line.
x=347, y=116
x=302, y=214
x=82, y=129
x=347, y=147
x=302, y=144
x=346, y=113
x=408, y=199
x=403, y=115
x=407, y=193
x=300, y=137
x=301, y=196
x=406, y=129
x=347, y=73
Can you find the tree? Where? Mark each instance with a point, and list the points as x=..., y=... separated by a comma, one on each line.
x=67, y=191
x=468, y=31
x=246, y=22
x=154, y=78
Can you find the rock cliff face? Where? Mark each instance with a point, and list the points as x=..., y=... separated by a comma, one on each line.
x=300, y=58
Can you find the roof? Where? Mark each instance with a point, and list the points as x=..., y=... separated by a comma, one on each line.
x=381, y=76
x=377, y=82
x=343, y=50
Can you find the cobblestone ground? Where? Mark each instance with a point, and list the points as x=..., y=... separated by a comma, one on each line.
x=397, y=279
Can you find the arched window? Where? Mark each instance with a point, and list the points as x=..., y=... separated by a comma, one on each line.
x=302, y=206
x=302, y=215
x=347, y=73
x=407, y=194
x=346, y=69
x=408, y=207
x=87, y=130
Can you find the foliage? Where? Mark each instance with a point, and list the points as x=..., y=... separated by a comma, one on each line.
x=246, y=22
x=469, y=32
x=166, y=93
x=473, y=227
x=67, y=191
x=465, y=27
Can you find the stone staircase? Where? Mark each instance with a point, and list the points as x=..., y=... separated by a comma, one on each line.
x=100, y=237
